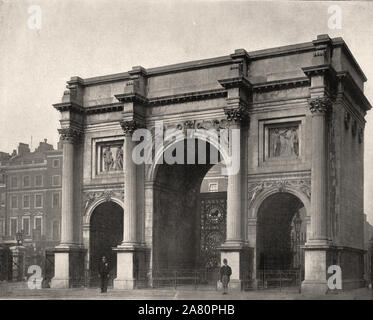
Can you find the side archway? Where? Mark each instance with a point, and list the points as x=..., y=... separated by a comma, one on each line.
x=278, y=240
x=105, y=233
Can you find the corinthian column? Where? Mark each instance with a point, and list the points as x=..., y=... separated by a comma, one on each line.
x=68, y=255
x=130, y=254
x=69, y=137
x=234, y=194
x=319, y=229
x=130, y=185
x=234, y=249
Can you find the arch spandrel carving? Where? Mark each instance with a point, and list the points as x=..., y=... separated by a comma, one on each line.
x=92, y=199
x=258, y=191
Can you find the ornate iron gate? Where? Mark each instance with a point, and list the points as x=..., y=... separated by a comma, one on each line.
x=213, y=227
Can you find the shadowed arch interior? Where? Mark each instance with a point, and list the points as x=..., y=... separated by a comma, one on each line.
x=274, y=226
x=106, y=232
x=177, y=216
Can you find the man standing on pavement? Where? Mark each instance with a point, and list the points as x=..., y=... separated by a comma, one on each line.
x=225, y=273
x=103, y=271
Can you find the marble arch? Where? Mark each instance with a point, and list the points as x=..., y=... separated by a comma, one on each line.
x=301, y=113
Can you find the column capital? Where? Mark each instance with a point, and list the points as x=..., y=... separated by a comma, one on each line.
x=129, y=127
x=70, y=135
x=320, y=105
x=237, y=115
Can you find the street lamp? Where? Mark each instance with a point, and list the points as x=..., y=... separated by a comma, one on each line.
x=19, y=237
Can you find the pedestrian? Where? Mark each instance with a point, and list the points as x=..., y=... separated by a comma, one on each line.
x=103, y=271
x=225, y=273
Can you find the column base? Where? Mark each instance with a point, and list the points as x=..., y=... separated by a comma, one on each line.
x=128, y=284
x=318, y=259
x=314, y=287
x=68, y=267
x=240, y=259
x=130, y=266
x=60, y=283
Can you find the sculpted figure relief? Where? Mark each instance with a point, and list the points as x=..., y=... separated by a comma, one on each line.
x=119, y=159
x=284, y=142
x=108, y=159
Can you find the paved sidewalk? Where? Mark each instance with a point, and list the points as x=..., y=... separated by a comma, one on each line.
x=20, y=291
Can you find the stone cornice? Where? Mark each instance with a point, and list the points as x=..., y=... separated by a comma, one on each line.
x=131, y=98
x=69, y=106
x=137, y=98
x=354, y=90
x=104, y=108
x=319, y=69
x=281, y=84
x=237, y=82
x=189, y=96
x=171, y=99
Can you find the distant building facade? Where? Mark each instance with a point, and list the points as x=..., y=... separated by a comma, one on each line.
x=30, y=196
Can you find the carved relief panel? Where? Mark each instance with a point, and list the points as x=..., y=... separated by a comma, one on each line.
x=110, y=156
x=107, y=154
x=281, y=141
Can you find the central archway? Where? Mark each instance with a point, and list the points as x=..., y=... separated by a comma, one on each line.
x=106, y=232
x=177, y=225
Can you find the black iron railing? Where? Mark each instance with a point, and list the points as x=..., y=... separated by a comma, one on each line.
x=267, y=279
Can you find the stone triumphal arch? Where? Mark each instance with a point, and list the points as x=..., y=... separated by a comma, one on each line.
x=300, y=112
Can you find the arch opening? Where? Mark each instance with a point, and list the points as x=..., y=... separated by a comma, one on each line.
x=106, y=232
x=189, y=218
x=281, y=232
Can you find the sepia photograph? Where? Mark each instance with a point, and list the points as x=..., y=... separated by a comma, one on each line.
x=186, y=150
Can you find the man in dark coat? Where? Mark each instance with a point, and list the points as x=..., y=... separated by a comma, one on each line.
x=103, y=271
x=225, y=273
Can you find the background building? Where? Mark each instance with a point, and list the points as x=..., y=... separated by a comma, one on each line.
x=30, y=198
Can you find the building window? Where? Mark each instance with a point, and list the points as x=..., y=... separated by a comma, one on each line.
x=56, y=163
x=56, y=180
x=38, y=201
x=56, y=230
x=14, y=182
x=26, y=181
x=26, y=201
x=38, y=227
x=13, y=226
x=213, y=187
x=38, y=180
x=2, y=227
x=56, y=200
x=2, y=200
x=14, y=202
x=26, y=226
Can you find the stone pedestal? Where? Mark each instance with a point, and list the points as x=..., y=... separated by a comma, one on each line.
x=18, y=265
x=239, y=259
x=130, y=267
x=317, y=261
x=68, y=267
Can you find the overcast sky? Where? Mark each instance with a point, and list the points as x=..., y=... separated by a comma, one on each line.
x=96, y=37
